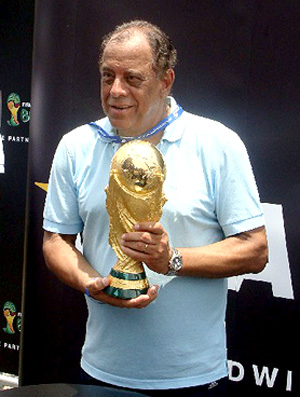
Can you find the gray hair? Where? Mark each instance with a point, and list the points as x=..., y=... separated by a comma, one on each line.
x=164, y=53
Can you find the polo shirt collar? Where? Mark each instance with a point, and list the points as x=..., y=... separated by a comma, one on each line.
x=172, y=133
x=175, y=130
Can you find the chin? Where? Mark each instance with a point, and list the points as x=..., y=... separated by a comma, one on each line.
x=119, y=126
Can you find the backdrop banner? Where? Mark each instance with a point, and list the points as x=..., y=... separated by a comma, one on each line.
x=239, y=64
x=16, y=32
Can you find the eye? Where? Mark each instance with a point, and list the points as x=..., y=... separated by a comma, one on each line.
x=107, y=77
x=134, y=80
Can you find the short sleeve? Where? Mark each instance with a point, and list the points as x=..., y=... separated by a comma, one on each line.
x=238, y=205
x=61, y=212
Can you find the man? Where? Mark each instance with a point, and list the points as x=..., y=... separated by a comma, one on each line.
x=212, y=227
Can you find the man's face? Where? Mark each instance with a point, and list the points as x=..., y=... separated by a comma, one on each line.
x=131, y=93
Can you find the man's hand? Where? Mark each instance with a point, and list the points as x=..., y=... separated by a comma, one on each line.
x=71, y=267
x=95, y=288
x=149, y=243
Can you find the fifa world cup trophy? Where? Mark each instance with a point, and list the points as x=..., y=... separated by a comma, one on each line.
x=134, y=194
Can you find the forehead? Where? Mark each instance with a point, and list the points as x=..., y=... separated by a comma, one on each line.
x=131, y=51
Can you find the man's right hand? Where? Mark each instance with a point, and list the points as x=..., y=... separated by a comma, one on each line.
x=95, y=288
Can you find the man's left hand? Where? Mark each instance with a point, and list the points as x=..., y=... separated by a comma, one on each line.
x=149, y=243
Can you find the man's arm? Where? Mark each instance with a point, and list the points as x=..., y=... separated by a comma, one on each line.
x=246, y=252
x=66, y=262
x=71, y=267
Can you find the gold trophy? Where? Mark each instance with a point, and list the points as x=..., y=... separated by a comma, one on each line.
x=134, y=194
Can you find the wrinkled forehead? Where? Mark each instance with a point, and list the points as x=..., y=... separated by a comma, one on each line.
x=130, y=42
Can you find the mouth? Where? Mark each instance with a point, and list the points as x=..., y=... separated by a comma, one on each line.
x=120, y=108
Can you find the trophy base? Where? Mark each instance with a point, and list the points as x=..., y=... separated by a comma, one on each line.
x=124, y=293
x=126, y=285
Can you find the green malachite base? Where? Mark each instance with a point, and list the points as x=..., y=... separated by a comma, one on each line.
x=131, y=279
x=124, y=293
x=128, y=276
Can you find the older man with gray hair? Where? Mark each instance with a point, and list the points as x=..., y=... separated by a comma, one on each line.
x=212, y=227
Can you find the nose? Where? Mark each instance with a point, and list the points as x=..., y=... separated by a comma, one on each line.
x=118, y=88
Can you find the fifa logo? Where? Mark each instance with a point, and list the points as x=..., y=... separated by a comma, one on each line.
x=14, y=105
x=10, y=312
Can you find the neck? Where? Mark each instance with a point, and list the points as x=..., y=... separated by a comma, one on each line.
x=157, y=129
x=154, y=139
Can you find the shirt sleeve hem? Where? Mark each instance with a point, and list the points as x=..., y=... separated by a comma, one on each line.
x=54, y=227
x=244, y=225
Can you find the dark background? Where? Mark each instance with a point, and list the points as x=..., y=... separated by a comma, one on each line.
x=239, y=64
x=16, y=32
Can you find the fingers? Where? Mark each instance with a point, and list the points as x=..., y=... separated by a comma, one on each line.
x=151, y=227
x=146, y=236
x=95, y=290
x=142, y=300
x=145, y=231
x=149, y=244
x=96, y=285
x=137, y=249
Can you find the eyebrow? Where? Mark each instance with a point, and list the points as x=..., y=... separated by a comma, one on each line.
x=126, y=72
x=105, y=68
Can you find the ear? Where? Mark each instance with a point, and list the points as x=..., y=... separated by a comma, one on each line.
x=167, y=82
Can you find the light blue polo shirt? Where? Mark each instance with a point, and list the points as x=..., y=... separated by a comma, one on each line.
x=179, y=340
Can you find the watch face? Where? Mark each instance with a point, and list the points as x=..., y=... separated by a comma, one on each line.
x=175, y=263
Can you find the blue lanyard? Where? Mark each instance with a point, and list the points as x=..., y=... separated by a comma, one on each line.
x=177, y=112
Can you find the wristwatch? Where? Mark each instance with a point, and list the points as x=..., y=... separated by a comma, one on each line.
x=175, y=263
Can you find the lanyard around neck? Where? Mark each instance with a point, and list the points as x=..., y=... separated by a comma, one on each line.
x=177, y=112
